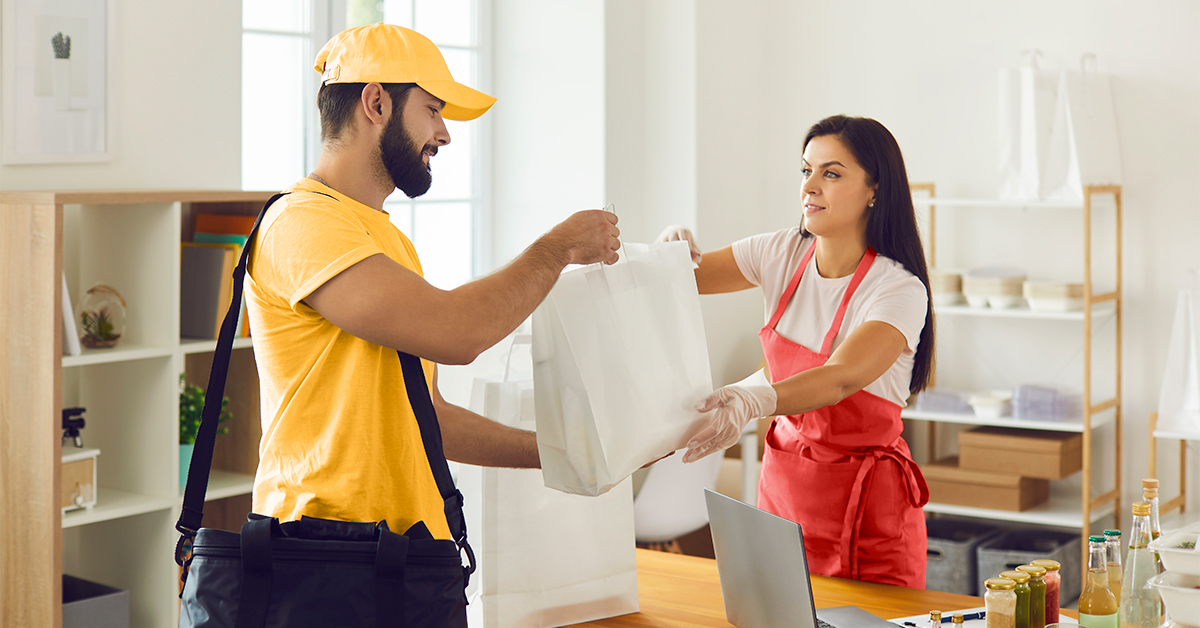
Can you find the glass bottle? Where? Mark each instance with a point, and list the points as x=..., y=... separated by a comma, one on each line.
x=1150, y=496
x=1141, y=606
x=1037, y=595
x=1023, y=593
x=1097, y=604
x=935, y=619
x=1000, y=602
x=1053, y=585
x=1112, y=541
x=957, y=618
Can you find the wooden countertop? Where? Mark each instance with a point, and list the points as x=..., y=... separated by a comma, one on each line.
x=685, y=591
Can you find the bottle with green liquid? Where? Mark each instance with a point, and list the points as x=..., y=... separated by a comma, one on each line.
x=1097, y=604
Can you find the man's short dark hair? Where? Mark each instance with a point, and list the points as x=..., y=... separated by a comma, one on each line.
x=336, y=103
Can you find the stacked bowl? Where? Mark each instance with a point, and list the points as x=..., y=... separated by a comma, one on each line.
x=1179, y=584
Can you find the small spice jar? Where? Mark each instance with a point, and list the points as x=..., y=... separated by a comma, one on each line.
x=1037, y=595
x=1000, y=600
x=1053, y=584
x=1023, y=593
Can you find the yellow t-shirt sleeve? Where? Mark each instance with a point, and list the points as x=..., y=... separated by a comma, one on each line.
x=306, y=244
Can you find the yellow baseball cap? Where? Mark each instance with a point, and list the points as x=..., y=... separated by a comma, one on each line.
x=385, y=53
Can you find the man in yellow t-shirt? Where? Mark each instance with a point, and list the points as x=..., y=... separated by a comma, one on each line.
x=334, y=290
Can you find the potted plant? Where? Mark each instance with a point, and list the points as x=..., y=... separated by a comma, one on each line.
x=191, y=406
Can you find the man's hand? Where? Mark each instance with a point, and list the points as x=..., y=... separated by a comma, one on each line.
x=679, y=232
x=585, y=237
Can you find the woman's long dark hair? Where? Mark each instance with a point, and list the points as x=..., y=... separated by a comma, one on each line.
x=892, y=222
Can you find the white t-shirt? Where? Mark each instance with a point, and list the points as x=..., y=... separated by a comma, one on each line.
x=888, y=293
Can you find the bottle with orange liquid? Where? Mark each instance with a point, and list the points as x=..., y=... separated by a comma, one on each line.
x=1097, y=604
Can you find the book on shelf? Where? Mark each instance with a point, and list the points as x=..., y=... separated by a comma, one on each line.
x=227, y=229
x=206, y=288
x=70, y=340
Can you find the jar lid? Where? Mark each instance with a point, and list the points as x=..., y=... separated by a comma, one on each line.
x=958, y=619
x=1037, y=571
x=1096, y=538
x=1141, y=509
x=1019, y=577
x=1050, y=565
x=1000, y=584
x=1116, y=533
x=1149, y=483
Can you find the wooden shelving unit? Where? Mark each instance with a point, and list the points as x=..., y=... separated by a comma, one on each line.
x=130, y=240
x=1179, y=502
x=1065, y=508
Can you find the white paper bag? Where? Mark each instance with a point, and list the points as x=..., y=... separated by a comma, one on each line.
x=1179, y=401
x=1083, y=145
x=620, y=360
x=1027, y=100
x=545, y=558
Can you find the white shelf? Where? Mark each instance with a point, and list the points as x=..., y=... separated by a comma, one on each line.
x=1100, y=311
x=191, y=345
x=1074, y=425
x=222, y=484
x=123, y=352
x=994, y=202
x=1178, y=435
x=1064, y=509
x=114, y=504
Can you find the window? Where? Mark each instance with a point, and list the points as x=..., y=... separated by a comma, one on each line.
x=442, y=222
x=281, y=128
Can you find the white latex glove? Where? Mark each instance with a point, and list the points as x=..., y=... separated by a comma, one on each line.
x=679, y=232
x=732, y=408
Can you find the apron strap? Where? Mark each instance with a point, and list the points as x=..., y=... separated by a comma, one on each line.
x=791, y=287
x=859, y=273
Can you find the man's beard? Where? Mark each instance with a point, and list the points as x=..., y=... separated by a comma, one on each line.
x=401, y=160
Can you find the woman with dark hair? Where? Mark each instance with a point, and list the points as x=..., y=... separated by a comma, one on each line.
x=849, y=336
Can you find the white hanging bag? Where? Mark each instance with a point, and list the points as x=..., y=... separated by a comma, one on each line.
x=1179, y=401
x=1027, y=100
x=545, y=558
x=620, y=360
x=1083, y=145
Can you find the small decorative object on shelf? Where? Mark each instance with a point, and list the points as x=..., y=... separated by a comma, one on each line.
x=191, y=406
x=101, y=317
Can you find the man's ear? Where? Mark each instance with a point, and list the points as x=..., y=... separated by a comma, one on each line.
x=375, y=103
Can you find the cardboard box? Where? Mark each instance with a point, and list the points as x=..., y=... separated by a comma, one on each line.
x=1044, y=454
x=78, y=478
x=949, y=484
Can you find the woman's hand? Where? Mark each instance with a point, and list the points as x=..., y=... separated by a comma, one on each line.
x=732, y=407
x=679, y=232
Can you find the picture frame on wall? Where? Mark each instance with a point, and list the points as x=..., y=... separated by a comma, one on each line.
x=54, y=71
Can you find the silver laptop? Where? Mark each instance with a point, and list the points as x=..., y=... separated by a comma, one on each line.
x=764, y=571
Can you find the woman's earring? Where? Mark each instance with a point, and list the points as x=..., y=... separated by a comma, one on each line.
x=871, y=204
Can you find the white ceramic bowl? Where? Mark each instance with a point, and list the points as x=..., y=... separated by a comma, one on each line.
x=1180, y=593
x=1177, y=559
x=991, y=405
x=942, y=299
x=1003, y=302
x=977, y=300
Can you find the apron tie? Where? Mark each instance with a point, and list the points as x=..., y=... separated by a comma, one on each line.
x=916, y=490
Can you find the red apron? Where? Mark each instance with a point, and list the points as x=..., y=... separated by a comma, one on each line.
x=843, y=472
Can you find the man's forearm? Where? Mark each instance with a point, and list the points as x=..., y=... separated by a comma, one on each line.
x=473, y=439
x=491, y=307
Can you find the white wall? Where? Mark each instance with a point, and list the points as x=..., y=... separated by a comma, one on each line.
x=175, y=92
x=548, y=153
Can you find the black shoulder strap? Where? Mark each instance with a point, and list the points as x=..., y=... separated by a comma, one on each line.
x=198, y=471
